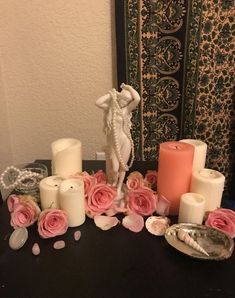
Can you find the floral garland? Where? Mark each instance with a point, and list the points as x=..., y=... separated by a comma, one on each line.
x=140, y=200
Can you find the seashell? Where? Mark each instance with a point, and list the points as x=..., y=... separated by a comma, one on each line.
x=18, y=238
x=184, y=236
x=157, y=225
x=36, y=249
x=77, y=235
x=59, y=244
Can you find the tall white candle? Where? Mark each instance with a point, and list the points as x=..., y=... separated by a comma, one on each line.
x=66, y=157
x=210, y=184
x=72, y=200
x=200, y=149
x=192, y=206
x=49, y=192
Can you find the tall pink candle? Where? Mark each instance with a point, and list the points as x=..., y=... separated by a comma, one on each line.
x=174, y=172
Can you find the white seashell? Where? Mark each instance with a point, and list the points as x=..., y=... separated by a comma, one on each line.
x=36, y=249
x=18, y=238
x=77, y=235
x=184, y=236
x=157, y=225
x=59, y=244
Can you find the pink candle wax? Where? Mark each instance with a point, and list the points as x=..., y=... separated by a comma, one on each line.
x=174, y=172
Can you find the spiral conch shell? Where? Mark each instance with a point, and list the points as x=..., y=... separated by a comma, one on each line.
x=184, y=236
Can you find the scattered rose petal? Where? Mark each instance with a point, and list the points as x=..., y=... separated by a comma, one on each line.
x=36, y=249
x=163, y=206
x=157, y=225
x=105, y=222
x=77, y=235
x=59, y=244
x=133, y=222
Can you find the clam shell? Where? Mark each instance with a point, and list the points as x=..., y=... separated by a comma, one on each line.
x=157, y=225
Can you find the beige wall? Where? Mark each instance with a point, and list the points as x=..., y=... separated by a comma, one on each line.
x=57, y=59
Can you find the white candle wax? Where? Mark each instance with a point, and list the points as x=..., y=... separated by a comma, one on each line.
x=200, y=149
x=66, y=157
x=210, y=184
x=72, y=200
x=192, y=206
x=49, y=192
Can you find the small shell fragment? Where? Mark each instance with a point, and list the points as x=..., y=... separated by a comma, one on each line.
x=18, y=238
x=157, y=225
x=59, y=244
x=77, y=235
x=185, y=237
x=36, y=249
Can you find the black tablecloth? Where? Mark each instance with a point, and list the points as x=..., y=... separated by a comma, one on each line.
x=114, y=263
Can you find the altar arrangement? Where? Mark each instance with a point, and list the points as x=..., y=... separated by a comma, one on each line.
x=180, y=188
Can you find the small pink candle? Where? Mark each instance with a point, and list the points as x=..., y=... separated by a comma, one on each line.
x=174, y=172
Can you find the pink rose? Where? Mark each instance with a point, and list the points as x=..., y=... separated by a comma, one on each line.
x=52, y=222
x=100, y=199
x=24, y=213
x=88, y=180
x=135, y=180
x=151, y=178
x=223, y=220
x=11, y=201
x=100, y=177
x=142, y=201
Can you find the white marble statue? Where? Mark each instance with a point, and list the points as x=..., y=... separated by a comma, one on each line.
x=118, y=107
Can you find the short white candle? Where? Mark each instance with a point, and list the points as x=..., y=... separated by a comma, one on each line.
x=200, y=149
x=66, y=157
x=49, y=192
x=192, y=206
x=210, y=184
x=72, y=200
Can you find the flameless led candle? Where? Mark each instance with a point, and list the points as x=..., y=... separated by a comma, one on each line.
x=210, y=184
x=66, y=157
x=192, y=206
x=200, y=149
x=49, y=192
x=174, y=172
x=72, y=201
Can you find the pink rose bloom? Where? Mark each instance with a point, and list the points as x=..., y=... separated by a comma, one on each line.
x=142, y=201
x=135, y=180
x=24, y=214
x=100, y=177
x=151, y=178
x=223, y=220
x=11, y=201
x=88, y=180
x=100, y=199
x=52, y=222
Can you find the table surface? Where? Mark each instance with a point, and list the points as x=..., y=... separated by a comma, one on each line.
x=114, y=263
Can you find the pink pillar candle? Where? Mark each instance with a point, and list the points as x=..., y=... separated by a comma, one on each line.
x=174, y=172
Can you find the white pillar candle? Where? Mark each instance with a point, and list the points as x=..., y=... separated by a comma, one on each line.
x=49, y=192
x=200, y=149
x=72, y=200
x=210, y=184
x=66, y=157
x=192, y=206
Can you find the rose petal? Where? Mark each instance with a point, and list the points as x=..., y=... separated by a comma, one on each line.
x=105, y=222
x=133, y=222
x=163, y=206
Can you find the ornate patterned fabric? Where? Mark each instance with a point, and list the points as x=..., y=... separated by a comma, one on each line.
x=179, y=55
